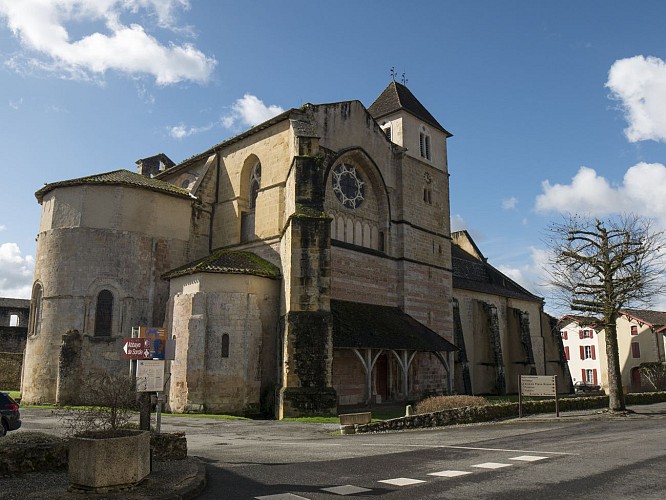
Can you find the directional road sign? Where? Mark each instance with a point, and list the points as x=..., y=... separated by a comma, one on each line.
x=138, y=348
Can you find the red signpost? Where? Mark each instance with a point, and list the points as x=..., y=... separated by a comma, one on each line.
x=138, y=348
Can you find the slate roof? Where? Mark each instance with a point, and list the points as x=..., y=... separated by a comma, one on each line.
x=470, y=273
x=397, y=97
x=655, y=319
x=382, y=327
x=228, y=262
x=117, y=178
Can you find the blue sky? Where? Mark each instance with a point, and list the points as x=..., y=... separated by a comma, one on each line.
x=554, y=106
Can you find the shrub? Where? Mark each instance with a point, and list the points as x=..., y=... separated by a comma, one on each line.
x=109, y=401
x=439, y=403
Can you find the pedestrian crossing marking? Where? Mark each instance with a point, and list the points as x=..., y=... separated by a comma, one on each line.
x=491, y=465
x=346, y=489
x=401, y=481
x=450, y=473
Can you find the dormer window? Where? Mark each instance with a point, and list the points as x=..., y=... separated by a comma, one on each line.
x=424, y=143
x=386, y=128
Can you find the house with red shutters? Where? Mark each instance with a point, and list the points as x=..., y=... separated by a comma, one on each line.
x=580, y=337
x=641, y=338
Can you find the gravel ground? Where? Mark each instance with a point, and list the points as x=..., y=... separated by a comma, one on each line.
x=170, y=479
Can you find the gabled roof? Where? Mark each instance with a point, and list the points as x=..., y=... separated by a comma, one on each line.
x=397, y=97
x=654, y=319
x=228, y=262
x=117, y=178
x=588, y=321
x=357, y=325
x=473, y=273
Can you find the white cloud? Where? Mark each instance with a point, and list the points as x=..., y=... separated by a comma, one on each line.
x=16, y=272
x=509, y=203
x=639, y=83
x=250, y=111
x=247, y=111
x=181, y=131
x=16, y=104
x=641, y=193
x=532, y=275
x=41, y=27
x=457, y=223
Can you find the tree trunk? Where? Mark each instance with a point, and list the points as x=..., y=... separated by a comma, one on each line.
x=615, y=391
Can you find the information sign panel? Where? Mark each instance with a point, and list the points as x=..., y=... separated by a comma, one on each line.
x=538, y=385
x=157, y=337
x=150, y=375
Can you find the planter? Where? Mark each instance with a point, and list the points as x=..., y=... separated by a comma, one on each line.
x=104, y=461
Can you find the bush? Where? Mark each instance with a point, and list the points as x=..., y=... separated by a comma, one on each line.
x=109, y=401
x=439, y=403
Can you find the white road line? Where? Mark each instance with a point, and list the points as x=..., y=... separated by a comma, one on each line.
x=466, y=448
x=281, y=496
x=401, y=481
x=491, y=465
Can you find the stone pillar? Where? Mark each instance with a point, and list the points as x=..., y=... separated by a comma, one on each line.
x=308, y=332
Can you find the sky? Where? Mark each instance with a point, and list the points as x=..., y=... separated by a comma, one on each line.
x=554, y=107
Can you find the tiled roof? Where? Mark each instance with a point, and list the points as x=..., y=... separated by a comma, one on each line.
x=581, y=320
x=117, y=178
x=397, y=97
x=652, y=318
x=470, y=273
x=228, y=262
x=357, y=325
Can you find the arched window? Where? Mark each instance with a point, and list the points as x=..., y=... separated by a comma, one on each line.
x=36, y=309
x=225, y=346
x=104, y=314
x=255, y=183
x=424, y=143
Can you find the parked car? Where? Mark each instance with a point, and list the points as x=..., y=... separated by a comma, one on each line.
x=582, y=386
x=10, y=417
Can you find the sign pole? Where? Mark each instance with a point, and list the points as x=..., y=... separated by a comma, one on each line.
x=158, y=425
x=557, y=401
x=520, y=396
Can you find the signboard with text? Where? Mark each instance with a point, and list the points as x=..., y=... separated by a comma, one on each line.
x=150, y=375
x=538, y=385
x=136, y=348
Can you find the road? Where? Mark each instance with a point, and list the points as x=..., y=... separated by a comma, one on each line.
x=591, y=457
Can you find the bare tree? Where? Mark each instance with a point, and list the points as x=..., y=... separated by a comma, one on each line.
x=599, y=267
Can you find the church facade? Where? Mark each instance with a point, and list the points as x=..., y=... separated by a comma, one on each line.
x=301, y=265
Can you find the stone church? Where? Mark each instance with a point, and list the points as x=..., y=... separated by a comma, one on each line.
x=303, y=264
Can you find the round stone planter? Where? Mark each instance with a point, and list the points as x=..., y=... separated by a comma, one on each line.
x=103, y=461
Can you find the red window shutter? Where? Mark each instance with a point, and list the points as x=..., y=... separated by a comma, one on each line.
x=582, y=352
x=594, y=375
x=580, y=334
x=566, y=352
x=635, y=350
x=584, y=379
x=594, y=354
x=591, y=334
x=565, y=335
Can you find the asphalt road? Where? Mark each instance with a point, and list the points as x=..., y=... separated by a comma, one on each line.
x=591, y=457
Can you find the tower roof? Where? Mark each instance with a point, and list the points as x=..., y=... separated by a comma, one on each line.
x=397, y=97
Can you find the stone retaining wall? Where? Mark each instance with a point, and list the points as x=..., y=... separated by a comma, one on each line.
x=473, y=414
x=10, y=370
x=20, y=458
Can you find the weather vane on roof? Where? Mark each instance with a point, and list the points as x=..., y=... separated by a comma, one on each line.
x=393, y=73
x=404, y=79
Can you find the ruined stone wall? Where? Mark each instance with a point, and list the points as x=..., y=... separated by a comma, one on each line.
x=13, y=338
x=10, y=370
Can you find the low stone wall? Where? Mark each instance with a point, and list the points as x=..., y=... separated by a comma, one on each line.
x=474, y=414
x=10, y=370
x=30, y=457
x=19, y=458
